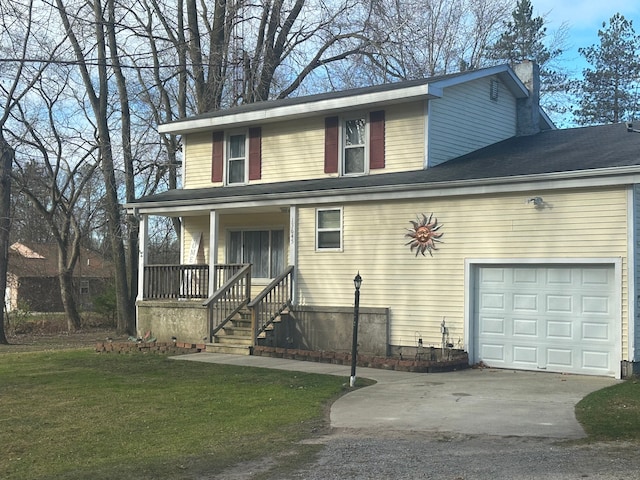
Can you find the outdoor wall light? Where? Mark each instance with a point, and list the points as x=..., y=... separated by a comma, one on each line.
x=537, y=201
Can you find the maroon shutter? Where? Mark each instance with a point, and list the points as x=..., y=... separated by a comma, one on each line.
x=331, y=145
x=217, y=157
x=376, y=135
x=255, y=153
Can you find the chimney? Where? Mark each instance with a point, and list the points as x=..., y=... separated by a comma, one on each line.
x=528, y=116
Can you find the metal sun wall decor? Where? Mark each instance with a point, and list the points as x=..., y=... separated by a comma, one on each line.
x=424, y=235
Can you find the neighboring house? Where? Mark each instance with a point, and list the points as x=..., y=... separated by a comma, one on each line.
x=474, y=223
x=32, y=280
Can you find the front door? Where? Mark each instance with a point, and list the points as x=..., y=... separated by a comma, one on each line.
x=263, y=249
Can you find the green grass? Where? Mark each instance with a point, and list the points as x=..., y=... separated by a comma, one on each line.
x=77, y=415
x=612, y=413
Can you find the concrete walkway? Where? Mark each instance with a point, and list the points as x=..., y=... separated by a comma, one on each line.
x=474, y=402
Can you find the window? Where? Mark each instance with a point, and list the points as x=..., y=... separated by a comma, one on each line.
x=329, y=229
x=236, y=158
x=354, y=136
x=354, y=145
x=263, y=249
x=84, y=287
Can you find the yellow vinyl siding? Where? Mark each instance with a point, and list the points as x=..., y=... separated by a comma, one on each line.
x=466, y=119
x=293, y=150
x=197, y=165
x=421, y=291
x=404, y=138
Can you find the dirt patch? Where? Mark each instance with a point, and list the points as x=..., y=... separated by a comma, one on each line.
x=33, y=342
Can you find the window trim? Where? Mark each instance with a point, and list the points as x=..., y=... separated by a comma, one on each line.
x=227, y=159
x=343, y=146
x=340, y=229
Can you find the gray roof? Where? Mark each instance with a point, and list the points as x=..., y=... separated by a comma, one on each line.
x=270, y=104
x=570, y=151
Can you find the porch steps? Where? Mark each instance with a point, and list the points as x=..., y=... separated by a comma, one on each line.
x=234, y=338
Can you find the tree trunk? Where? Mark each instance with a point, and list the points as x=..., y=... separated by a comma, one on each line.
x=6, y=161
x=68, y=301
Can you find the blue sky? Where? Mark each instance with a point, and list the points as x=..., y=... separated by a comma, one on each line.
x=583, y=18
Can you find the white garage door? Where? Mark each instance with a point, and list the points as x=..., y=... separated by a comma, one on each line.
x=554, y=318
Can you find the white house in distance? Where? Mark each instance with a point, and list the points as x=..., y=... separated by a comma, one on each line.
x=471, y=219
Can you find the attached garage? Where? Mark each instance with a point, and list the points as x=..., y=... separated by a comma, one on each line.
x=551, y=317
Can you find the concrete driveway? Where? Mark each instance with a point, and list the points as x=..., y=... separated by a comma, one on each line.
x=474, y=402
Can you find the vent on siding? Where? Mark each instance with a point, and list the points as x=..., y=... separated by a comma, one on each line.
x=493, y=90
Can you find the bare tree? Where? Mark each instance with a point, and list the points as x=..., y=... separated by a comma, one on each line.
x=19, y=37
x=51, y=169
x=423, y=38
x=91, y=57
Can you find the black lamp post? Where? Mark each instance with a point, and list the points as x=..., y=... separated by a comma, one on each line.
x=357, y=282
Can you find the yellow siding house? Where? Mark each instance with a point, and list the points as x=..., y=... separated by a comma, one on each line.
x=474, y=224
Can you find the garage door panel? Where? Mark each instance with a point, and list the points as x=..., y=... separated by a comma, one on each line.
x=525, y=276
x=525, y=302
x=559, y=277
x=597, y=277
x=553, y=317
x=525, y=355
x=493, y=353
x=559, y=329
x=492, y=326
x=493, y=276
x=560, y=358
x=493, y=301
x=592, y=331
x=559, y=304
x=596, y=360
x=525, y=327
x=597, y=305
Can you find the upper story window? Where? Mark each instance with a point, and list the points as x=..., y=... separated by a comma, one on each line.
x=354, y=144
x=237, y=156
x=354, y=158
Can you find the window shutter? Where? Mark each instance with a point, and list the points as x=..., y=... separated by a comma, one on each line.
x=331, y=144
x=255, y=153
x=217, y=157
x=376, y=135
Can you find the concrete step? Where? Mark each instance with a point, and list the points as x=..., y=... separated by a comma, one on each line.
x=232, y=340
x=228, y=349
x=237, y=331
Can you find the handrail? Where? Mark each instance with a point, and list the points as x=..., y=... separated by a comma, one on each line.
x=229, y=299
x=271, y=302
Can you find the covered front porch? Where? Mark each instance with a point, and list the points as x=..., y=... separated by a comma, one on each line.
x=175, y=305
x=232, y=284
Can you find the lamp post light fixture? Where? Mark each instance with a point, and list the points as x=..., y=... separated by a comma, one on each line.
x=357, y=282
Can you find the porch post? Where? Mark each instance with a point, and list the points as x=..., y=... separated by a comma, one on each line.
x=293, y=246
x=213, y=250
x=143, y=241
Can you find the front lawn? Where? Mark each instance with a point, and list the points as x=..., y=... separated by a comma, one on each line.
x=612, y=413
x=78, y=415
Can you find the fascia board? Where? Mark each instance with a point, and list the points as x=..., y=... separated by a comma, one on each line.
x=561, y=180
x=302, y=110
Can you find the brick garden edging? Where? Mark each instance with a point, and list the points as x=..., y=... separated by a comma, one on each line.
x=460, y=362
x=160, y=348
